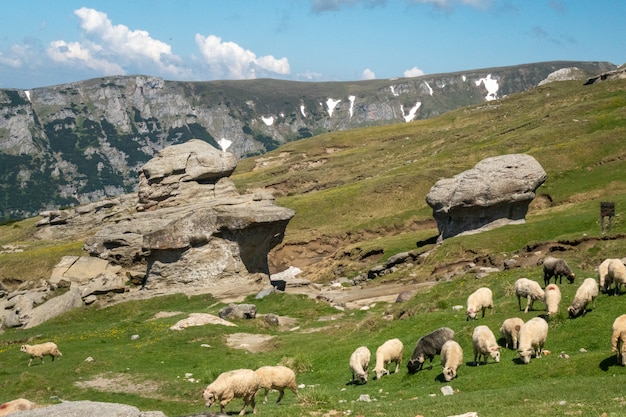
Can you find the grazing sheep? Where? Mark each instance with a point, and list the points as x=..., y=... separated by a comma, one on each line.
x=21, y=404
x=529, y=289
x=359, y=363
x=485, y=344
x=451, y=359
x=278, y=378
x=553, y=299
x=532, y=337
x=240, y=383
x=427, y=347
x=480, y=299
x=586, y=293
x=390, y=351
x=616, y=273
x=604, y=282
x=618, y=339
x=557, y=268
x=510, y=331
x=41, y=350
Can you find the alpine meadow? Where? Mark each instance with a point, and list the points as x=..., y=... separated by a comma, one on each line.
x=359, y=198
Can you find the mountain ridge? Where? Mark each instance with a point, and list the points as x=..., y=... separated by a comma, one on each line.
x=76, y=143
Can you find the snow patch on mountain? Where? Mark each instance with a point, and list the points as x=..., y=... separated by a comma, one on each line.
x=268, y=120
x=332, y=103
x=409, y=117
x=492, y=86
x=351, y=98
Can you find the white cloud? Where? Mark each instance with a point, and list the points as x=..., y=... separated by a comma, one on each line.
x=115, y=49
x=449, y=4
x=368, y=74
x=228, y=59
x=413, y=72
x=74, y=52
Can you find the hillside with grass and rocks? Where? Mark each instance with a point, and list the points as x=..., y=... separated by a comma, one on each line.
x=362, y=261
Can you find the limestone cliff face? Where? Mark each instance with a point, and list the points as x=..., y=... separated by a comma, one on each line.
x=81, y=142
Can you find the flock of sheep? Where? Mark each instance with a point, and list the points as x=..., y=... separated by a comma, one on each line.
x=528, y=338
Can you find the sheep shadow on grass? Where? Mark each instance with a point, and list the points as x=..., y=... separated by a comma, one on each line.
x=606, y=363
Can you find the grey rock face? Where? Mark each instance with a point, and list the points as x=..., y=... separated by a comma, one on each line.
x=89, y=408
x=497, y=191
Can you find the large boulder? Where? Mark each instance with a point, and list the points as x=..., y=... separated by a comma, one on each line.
x=191, y=225
x=497, y=191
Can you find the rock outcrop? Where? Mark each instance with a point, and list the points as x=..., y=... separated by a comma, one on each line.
x=497, y=191
x=191, y=226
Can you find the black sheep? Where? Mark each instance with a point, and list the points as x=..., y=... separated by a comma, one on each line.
x=557, y=268
x=427, y=347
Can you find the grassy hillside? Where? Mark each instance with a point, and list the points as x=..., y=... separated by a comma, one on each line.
x=360, y=190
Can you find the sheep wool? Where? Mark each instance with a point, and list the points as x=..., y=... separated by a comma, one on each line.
x=21, y=404
x=557, y=268
x=618, y=339
x=41, y=350
x=510, y=331
x=586, y=293
x=278, y=378
x=604, y=282
x=485, y=344
x=529, y=289
x=532, y=337
x=390, y=351
x=479, y=300
x=359, y=363
x=617, y=274
x=427, y=347
x=553, y=299
x=240, y=383
x=451, y=359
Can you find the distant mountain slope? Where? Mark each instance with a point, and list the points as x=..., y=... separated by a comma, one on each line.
x=75, y=143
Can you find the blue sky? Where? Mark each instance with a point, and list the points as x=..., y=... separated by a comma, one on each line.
x=44, y=42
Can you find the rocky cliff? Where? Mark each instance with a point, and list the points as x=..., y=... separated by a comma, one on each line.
x=77, y=143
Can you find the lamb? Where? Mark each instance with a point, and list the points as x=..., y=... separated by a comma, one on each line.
x=586, y=293
x=616, y=273
x=451, y=359
x=278, y=378
x=21, y=404
x=427, y=347
x=510, y=331
x=390, y=351
x=485, y=344
x=480, y=299
x=532, y=337
x=553, y=299
x=359, y=363
x=618, y=339
x=529, y=289
x=41, y=350
x=557, y=268
x=240, y=383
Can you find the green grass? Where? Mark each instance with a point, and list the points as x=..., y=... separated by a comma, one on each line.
x=588, y=383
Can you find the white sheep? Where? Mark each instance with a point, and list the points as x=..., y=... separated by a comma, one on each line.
x=41, y=350
x=240, y=383
x=604, y=282
x=529, y=289
x=480, y=299
x=390, y=351
x=553, y=299
x=532, y=337
x=485, y=344
x=277, y=377
x=510, y=331
x=359, y=363
x=586, y=293
x=21, y=404
x=617, y=274
x=618, y=339
x=451, y=359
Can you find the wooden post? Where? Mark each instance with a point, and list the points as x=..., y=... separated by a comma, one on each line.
x=607, y=209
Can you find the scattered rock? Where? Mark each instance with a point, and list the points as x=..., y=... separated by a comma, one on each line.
x=239, y=311
x=447, y=390
x=200, y=319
